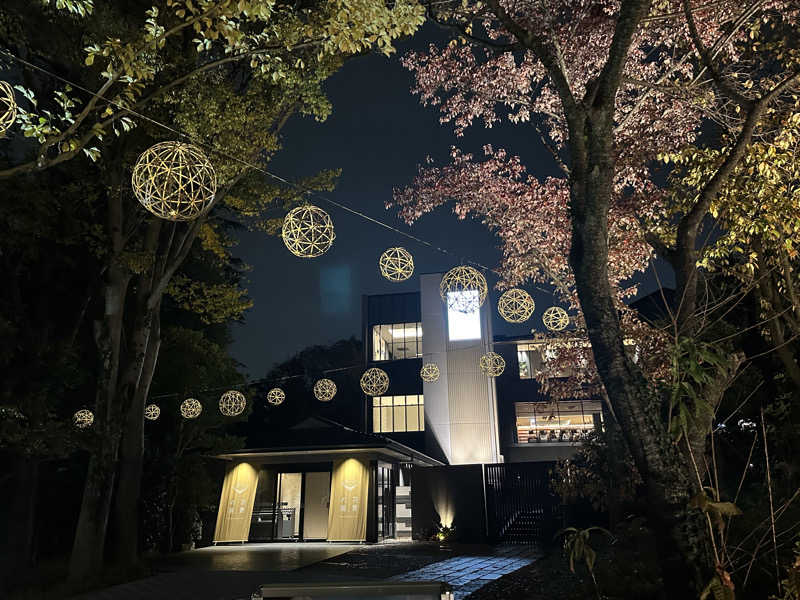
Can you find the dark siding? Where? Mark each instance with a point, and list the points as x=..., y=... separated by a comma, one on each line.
x=511, y=389
x=393, y=308
x=404, y=379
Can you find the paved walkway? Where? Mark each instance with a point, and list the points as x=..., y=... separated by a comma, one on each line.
x=469, y=572
x=235, y=572
x=220, y=572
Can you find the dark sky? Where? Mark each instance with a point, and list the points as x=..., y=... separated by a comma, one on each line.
x=378, y=134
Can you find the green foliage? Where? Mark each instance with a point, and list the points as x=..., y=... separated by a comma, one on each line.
x=790, y=584
x=577, y=545
x=590, y=474
x=758, y=208
x=715, y=509
x=212, y=303
x=179, y=476
x=132, y=58
x=720, y=587
x=695, y=365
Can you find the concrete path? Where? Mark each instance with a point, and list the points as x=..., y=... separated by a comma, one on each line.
x=235, y=572
x=220, y=573
x=470, y=572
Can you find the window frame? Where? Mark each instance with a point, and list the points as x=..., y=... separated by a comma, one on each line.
x=458, y=319
x=385, y=411
x=407, y=345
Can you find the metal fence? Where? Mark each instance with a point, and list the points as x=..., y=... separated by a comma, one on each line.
x=520, y=506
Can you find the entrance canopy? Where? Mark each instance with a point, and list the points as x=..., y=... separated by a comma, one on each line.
x=317, y=439
x=320, y=480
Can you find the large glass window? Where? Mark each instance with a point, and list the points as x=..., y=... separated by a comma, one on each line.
x=396, y=341
x=460, y=325
x=556, y=421
x=529, y=359
x=398, y=413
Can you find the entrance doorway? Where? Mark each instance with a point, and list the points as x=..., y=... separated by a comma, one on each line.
x=316, y=501
x=291, y=505
x=290, y=487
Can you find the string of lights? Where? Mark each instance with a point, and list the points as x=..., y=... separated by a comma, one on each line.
x=247, y=163
x=213, y=148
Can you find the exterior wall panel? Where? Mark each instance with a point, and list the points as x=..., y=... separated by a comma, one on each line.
x=434, y=348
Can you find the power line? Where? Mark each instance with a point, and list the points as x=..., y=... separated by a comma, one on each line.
x=283, y=180
x=217, y=150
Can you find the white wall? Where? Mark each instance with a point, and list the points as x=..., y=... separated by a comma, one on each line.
x=460, y=408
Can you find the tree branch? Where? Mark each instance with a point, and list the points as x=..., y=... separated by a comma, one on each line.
x=631, y=13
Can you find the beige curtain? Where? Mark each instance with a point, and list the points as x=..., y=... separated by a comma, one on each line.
x=347, y=516
x=236, y=503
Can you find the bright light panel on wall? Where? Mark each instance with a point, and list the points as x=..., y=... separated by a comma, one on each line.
x=464, y=326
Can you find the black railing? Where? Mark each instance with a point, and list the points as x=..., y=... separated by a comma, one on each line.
x=521, y=508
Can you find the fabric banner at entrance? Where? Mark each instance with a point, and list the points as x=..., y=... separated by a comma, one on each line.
x=236, y=503
x=347, y=517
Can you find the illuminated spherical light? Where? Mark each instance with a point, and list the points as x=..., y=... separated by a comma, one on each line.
x=429, y=372
x=191, y=408
x=516, y=305
x=307, y=231
x=492, y=364
x=396, y=264
x=276, y=396
x=232, y=403
x=174, y=181
x=555, y=318
x=83, y=418
x=151, y=412
x=374, y=382
x=463, y=289
x=8, y=107
x=324, y=390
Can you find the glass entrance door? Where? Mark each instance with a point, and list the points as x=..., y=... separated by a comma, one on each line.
x=385, y=488
x=317, y=496
x=287, y=524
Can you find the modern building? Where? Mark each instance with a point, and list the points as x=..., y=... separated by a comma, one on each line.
x=465, y=450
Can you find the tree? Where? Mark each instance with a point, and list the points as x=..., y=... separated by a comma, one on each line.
x=608, y=87
x=261, y=62
x=178, y=449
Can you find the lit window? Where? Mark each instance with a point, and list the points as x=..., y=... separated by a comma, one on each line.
x=556, y=421
x=398, y=413
x=530, y=361
x=396, y=341
x=463, y=326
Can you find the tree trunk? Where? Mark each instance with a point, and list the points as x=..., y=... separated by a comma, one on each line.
x=685, y=545
x=126, y=500
x=89, y=543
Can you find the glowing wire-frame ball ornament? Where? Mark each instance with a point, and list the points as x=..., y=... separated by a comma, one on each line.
x=324, y=390
x=492, y=364
x=276, y=396
x=152, y=412
x=516, y=305
x=232, y=403
x=174, y=181
x=8, y=106
x=191, y=408
x=396, y=264
x=464, y=289
x=307, y=231
x=374, y=382
x=83, y=418
x=429, y=372
x=555, y=318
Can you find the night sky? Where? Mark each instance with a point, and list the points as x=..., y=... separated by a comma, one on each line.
x=378, y=134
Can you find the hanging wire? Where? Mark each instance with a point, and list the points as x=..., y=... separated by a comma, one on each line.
x=221, y=152
x=215, y=149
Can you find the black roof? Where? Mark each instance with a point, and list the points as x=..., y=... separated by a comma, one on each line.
x=318, y=433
